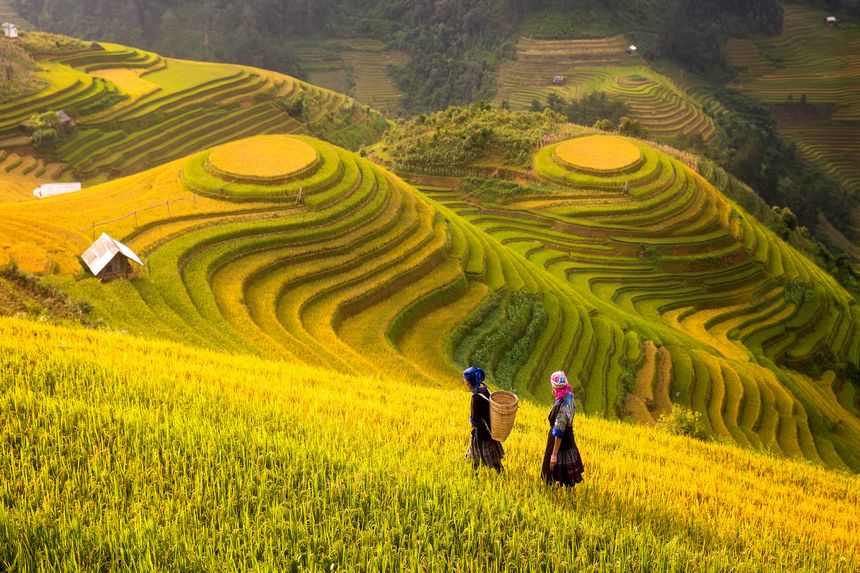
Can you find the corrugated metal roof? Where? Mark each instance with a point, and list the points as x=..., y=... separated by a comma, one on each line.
x=103, y=251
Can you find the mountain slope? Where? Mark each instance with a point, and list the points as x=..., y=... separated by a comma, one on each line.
x=199, y=459
x=337, y=262
x=133, y=110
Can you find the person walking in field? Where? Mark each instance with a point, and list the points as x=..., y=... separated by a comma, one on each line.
x=483, y=449
x=561, y=461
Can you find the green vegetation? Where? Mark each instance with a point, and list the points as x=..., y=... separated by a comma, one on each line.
x=805, y=77
x=360, y=68
x=454, y=48
x=597, y=80
x=133, y=109
x=17, y=73
x=459, y=136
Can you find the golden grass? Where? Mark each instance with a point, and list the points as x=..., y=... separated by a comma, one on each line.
x=598, y=153
x=38, y=233
x=263, y=157
x=128, y=80
x=192, y=458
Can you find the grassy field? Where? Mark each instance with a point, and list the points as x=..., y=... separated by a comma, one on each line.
x=154, y=455
x=343, y=265
x=661, y=103
x=134, y=110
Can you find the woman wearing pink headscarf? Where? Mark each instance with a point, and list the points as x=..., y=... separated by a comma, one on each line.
x=561, y=461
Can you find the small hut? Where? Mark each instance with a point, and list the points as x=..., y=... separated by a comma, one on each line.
x=52, y=189
x=831, y=21
x=63, y=117
x=631, y=49
x=10, y=30
x=108, y=259
x=558, y=80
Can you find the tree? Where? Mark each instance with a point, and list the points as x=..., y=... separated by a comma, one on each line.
x=632, y=127
x=604, y=125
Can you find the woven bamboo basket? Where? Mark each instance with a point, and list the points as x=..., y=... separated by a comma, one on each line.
x=503, y=412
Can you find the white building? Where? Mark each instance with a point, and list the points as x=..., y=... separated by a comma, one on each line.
x=51, y=189
x=831, y=20
x=631, y=49
x=109, y=259
x=10, y=30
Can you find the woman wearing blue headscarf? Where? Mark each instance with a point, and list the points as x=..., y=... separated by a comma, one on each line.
x=562, y=462
x=483, y=449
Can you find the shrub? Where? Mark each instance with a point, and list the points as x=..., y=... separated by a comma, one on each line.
x=683, y=422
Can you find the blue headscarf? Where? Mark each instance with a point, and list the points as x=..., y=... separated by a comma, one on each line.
x=474, y=376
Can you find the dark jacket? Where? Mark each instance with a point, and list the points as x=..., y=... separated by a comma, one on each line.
x=480, y=413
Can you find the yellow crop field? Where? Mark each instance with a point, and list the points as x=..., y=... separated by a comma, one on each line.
x=263, y=157
x=598, y=153
x=128, y=80
x=153, y=455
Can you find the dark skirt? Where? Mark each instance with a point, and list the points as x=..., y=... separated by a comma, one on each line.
x=568, y=468
x=488, y=452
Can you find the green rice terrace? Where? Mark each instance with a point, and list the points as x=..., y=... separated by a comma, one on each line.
x=358, y=67
x=638, y=275
x=811, y=77
x=664, y=105
x=132, y=109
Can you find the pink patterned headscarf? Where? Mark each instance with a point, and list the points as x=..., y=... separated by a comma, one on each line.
x=560, y=386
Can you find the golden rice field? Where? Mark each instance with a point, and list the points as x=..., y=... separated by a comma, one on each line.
x=598, y=153
x=263, y=157
x=346, y=266
x=156, y=455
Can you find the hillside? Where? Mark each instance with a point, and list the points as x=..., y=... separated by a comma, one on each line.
x=353, y=66
x=132, y=110
x=203, y=460
x=641, y=279
x=455, y=48
x=18, y=69
x=808, y=74
x=603, y=64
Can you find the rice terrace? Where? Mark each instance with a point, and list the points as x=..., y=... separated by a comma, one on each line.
x=354, y=285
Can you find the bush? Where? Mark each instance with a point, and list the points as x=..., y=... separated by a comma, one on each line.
x=683, y=422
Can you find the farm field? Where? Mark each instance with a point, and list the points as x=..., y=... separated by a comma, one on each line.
x=8, y=14
x=281, y=460
x=818, y=63
x=354, y=66
x=662, y=105
x=336, y=262
x=133, y=110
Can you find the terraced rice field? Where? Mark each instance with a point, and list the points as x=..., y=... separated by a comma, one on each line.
x=20, y=175
x=658, y=245
x=821, y=63
x=809, y=58
x=355, y=66
x=601, y=64
x=342, y=264
x=162, y=109
x=8, y=14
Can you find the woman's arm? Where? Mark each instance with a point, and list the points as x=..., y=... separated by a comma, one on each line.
x=473, y=414
x=553, y=459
